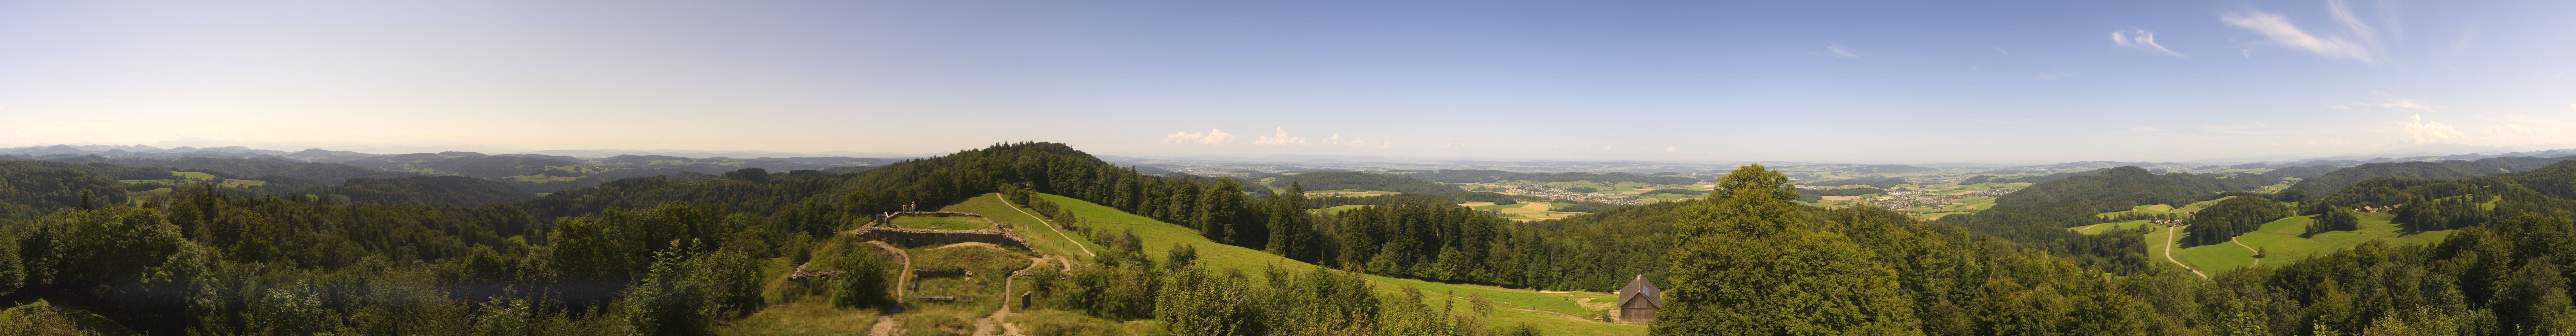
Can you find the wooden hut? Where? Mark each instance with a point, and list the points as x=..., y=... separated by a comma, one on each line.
x=1638, y=301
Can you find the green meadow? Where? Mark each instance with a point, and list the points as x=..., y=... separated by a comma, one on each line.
x=1556, y=313
x=2279, y=241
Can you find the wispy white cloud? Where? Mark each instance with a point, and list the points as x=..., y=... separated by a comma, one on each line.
x=2419, y=131
x=2359, y=41
x=2142, y=39
x=1213, y=137
x=2393, y=101
x=2512, y=131
x=1336, y=140
x=1280, y=138
x=1837, y=50
x=1999, y=120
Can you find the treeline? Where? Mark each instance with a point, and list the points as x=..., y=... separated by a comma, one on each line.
x=2333, y=220
x=1048, y=209
x=2306, y=172
x=28, y=189
x=2232, y=217
x=2135, y=216
x=1430, y=241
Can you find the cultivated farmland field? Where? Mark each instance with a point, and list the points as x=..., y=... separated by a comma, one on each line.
x=942, y=222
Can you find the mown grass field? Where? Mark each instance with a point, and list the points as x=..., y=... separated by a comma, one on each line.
x=2196, y=206
x=2107, y=227
x=1551, y=318
x=2279, y=240
x=2151, y=209
x=1041, y=238
x=943, y=223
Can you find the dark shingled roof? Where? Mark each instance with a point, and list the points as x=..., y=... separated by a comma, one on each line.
x=1640, y=291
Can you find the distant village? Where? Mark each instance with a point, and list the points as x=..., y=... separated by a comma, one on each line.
x=1542, y=190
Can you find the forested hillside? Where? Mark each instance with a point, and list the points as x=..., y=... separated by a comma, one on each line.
x=2076, y=200
x=2333, y=182
x=2306, y=172
x=456, y=191
x=28, y=189
x=689, y=253
x=309, y=171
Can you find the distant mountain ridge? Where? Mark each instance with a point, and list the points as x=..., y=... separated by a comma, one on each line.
x=2331, y=182
x=529, y=173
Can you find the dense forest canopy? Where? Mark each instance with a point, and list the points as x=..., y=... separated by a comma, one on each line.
x=2232, y=217
x=2305, y=172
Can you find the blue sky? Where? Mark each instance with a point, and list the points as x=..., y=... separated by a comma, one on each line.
x=1904, y=81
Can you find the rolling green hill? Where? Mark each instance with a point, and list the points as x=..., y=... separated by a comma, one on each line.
x=2280, y=240
x=1556, y=313
x=2335, y=181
